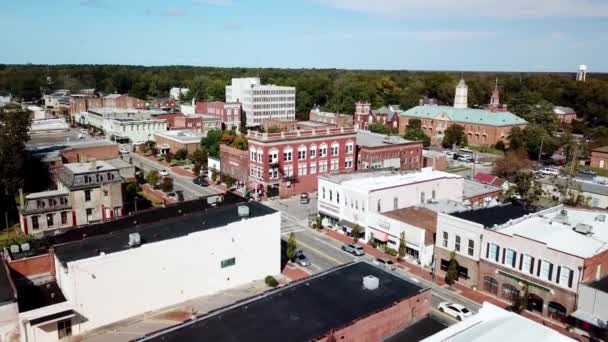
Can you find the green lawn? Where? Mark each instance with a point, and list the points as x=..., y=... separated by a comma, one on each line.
x=486, y=149
x=457, y=169
x=12, y=236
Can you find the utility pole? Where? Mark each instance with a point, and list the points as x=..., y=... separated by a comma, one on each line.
x=540, y=152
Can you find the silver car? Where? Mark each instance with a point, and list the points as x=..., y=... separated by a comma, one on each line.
x=301, y=259
x=353, y=249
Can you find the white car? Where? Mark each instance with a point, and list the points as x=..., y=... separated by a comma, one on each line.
x=163, y=173
x=449, y=153
x=123, y=150
x=455, y=310
x=549, y=171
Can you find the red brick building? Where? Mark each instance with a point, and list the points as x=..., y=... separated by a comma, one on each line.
x=288, y=163
x=437, y=160
x=599, y=157
x=123, y=102
x=381, y=151
x=198, y=122
x=82, y=104
x=283, y=125
x=170, y=117
x=234, y=163
x=228, y=112
x=337, y=119
x=386, y=115
x=80, y=154
x=565, y=115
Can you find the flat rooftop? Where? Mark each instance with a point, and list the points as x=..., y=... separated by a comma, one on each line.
x=446, y=206
x=78, y=168
x=314, y=123
x=601, y=284
x=472, y=188
x=45, y=194
x=489, y=217
x=184, y=136
x=424, y=328
x=555, y=228
x=31, y=296
x=375, y=180
x=170, y=228
x=494, y=324
x=370, y=139
x=302, y=311
x=118, y=163
x=417, y=216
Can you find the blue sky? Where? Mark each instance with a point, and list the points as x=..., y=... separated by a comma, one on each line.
x=536, y=35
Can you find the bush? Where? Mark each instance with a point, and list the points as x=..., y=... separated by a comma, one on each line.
x=500, y=145
x=168, y=157
x=181, y=154
x=271, y=282
x=390, y=251
x=166, y=184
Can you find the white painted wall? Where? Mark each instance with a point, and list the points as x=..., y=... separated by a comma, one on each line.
x=116, y=286
x=46, y=332
x=593, y=301
x=465, y=229
x=212, y=164
x=9, y=320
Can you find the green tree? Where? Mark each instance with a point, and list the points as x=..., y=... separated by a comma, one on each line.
x=538, y=113
x=229, y=181
x=414, y=132
x=378, y=128
x=454, y=135
x=525, y=188
x=152, y=177
x=318, y=222
x=199, y=157
x=451, y=275
x=166, y=185
x=356, y=232
x=131, y=191
x=537, y=137
x=13, y=136
x=274, y=129
x=291, y=246
x=401, y=250
x=181, y=154
x=168, y=156
x=517, y=139
x=211, y=142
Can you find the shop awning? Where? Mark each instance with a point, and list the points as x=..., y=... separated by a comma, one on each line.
x=589, y=318
x=380, y=236
x=52, y=318
x=346, y=224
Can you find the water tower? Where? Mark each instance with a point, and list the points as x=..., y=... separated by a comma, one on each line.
x=581, y=75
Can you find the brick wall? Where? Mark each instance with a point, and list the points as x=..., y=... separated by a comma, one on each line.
x=387, y=322
x=480, y=199
x=410, y=155
x=32, y=266
x=439, y=163
x=471, y=265
x=175, y=145
x=82, y=154
x=599, y=159
x=234, y=163
x=156, y=195
x=595, y=267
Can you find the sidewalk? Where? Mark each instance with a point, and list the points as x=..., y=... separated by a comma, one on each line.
x=175, y=169
x=464, y=291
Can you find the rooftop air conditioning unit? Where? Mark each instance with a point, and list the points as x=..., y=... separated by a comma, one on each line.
x=134, y=239
x=601, y=218
x=583, y=228
x=243, y=211
x=14, y=249
x=370, y=282
x=25, y=247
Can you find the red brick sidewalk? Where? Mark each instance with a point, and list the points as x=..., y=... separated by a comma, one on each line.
x=294, y=273
x=175, y=169
x=465, y=291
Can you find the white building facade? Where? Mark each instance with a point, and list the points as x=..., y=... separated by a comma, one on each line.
x=176, y=92
x=262, y=101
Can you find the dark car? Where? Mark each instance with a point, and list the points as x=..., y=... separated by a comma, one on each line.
x=587, y=172
x=200, y=181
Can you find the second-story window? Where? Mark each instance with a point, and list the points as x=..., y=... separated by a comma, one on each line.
x=273, y=156
x=457, y=244
x=471, y=247
x=87, y=195
x=334, y=149
x=379, y=206
x=510, y=257
x=302, y=153
x=493, y=251
x=395, y=203
x=287, y=155
x=323, y=151
x=445, y=240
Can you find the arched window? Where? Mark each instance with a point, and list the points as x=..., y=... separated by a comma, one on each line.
x=313, y=151
x=331, y=195
x=302, y=152
x=252, y=155
x=557, y=311
x=260, y=155
x=490, y=285
x=273, y=156
x=288, y=154
x=323, y=150
x=323, y=192
x=379, y=205
x=510, y=292
x=338, y=197
x=335, y=149
x=349, y=147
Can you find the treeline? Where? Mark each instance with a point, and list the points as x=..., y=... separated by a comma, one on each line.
x=332, y=89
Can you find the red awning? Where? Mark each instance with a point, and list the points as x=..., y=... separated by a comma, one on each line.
x=380, y=236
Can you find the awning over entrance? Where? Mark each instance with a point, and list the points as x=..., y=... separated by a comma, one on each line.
x=52, y=318
x=346, y=224
x=589, y=318
x=381, y=236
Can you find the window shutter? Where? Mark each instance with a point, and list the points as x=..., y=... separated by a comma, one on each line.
x=504, y=254
x=514, y=259
x=550, y=271
x=521, y=262
x=570, y=278
x=538, y=269
x=531, y=265
x=559, y=271
x=497, y=253
x=488, y=251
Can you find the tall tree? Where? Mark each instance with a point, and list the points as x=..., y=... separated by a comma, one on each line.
x=414, y=131
x=14, y=125
x=401, y=250
x=291, y=246
x=454, y=135
x=356, y=232
x=451, y=275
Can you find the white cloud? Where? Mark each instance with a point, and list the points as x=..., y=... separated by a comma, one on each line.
x=215, y=2
x=425, y=36
x=475, y=8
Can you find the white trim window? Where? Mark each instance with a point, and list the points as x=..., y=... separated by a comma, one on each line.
x=335, y=164
x=288, y=154
x=348, y=162
x=313, y=151
x=335, y=149
x=302, y=152
x=301, y=169
x=273, y=173
x=546, y=269
x=323, y=150
x=273, y=156
x=260, y=155
x=445, y=240
x=287, y=170
x=493, y=251
x=349, y=147
x=252, y=154
x=527, y=265
x=566, y=276
x=313, y=169
x=510, y=257
x=322, y=166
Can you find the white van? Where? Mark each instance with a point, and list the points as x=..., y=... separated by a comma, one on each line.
x=548, y=171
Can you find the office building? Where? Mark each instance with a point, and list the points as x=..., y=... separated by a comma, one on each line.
x=260, y=101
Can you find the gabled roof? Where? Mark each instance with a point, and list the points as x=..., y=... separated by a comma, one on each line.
x=487, y=178
x=465, y=115
x=563, y=110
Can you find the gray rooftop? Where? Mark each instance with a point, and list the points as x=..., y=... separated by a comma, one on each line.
x=44, y=194
x=446, y=206
x=118, y=163
x=371, y=139
x=473, y=188
x=78, y=168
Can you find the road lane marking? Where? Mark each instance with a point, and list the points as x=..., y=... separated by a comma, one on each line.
x=321, y=253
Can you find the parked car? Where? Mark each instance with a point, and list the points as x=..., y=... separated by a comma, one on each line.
x=587, y=172
x=304, y=198
x=384, y=263
x=171, y=194
x=301, y=259
x=449, y=153
x=467, y=158
x=82, y=130
x=123, y=150
x=353, y=249
x=163, y=173
x=200, y=181
x=455, y=310
x=548, y=171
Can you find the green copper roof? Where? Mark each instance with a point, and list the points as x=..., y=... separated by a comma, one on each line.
x=465, y=115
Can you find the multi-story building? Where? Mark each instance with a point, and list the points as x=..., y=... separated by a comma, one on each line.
x=507, y=251
x=235, y=163
x=382, y=151
x=199, y=122
x=262, y=101
x=591, y=315
x=289, y=163
x=176, y=92
x=386, y=115
x=228, y=112
x=123, y=102
x=172, y=141
x=565, y=115
x=337, y=119
x=86, y=193
x=599, y=157
x=346, y=200
x=135, y=126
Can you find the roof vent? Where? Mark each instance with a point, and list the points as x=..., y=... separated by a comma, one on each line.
x=562, y=216
x=25, y=247
x=371, y=283
x=134, y=239
x=584, y=229
x=243, y=211
x=600, y=218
